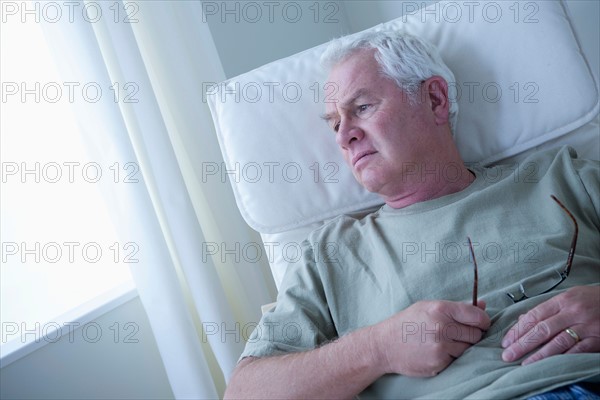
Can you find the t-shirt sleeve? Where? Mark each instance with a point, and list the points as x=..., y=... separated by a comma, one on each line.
x=301, y=320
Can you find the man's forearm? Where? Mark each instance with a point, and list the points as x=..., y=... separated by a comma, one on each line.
x=345, y=367
x=340, y=369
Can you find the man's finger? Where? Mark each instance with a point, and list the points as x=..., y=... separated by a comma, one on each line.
x=457, y=349
x=469, y=315
x=530, y=320
x=587, y=345
x=461, y=333
x=481, y=304
x=560, y=344
x=537, y=335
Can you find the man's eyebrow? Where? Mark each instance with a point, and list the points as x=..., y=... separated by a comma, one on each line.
x=360, y=92
x=329, y=116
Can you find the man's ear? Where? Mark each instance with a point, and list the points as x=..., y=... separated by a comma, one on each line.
x=436, y=90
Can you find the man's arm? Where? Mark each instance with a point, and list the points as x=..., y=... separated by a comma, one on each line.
x=340, y=369
x=413, y=342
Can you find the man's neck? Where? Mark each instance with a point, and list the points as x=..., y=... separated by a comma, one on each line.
x=437, y=187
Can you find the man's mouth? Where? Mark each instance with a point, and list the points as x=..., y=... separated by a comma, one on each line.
x=361, y=155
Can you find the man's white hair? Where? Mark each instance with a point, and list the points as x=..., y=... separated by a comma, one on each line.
x=406, y=59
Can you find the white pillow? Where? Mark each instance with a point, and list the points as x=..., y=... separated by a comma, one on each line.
x=530, y=83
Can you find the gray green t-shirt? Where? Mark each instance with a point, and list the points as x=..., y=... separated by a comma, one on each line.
x=358, y=271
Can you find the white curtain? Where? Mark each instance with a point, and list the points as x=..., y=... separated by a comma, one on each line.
x=151, y=60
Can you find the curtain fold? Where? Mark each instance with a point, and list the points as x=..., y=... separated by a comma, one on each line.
x=155, y=118
x=181, y=60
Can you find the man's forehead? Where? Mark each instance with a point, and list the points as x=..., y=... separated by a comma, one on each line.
x=353, y=74
x=353, y=67
x=351, y=78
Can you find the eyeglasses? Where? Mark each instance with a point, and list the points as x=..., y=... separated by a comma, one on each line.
x=475, y=279
x=544, y=287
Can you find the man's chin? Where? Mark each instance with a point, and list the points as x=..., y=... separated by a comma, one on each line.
x=368, y=182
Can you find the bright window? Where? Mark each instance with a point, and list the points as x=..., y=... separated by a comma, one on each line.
x=59, y=247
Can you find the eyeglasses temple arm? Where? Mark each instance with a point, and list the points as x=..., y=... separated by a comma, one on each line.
x=575, y=234
x=475, y=278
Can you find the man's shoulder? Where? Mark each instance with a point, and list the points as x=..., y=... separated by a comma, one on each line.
x=344, y=223
x=562, y=154
x=561, y=161
x=535, y=166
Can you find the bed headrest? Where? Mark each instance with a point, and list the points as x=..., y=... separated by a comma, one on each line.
x=521, y=80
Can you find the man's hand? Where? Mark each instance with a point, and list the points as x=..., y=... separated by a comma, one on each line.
x=544, y=327
x=426, y=337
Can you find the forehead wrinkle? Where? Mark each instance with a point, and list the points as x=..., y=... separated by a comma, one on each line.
x=357, y=94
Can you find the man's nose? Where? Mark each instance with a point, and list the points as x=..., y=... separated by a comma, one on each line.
x=347, y=133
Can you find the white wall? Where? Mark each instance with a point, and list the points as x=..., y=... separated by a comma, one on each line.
x=586, y=17
x=363, y=14
x=248, y=36
x=111, y=366
x=246, y=39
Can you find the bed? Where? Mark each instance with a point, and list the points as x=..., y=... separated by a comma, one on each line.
x=522, y=84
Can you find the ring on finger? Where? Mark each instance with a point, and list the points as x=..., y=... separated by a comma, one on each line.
x=573, y=334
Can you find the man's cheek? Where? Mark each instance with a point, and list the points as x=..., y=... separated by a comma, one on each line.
x=358, y=177
x=347, y=157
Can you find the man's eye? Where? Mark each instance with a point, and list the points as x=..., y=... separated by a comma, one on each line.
x=336, y=126
x=363, y=107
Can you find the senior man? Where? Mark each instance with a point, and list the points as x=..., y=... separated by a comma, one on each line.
x=377, y=320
